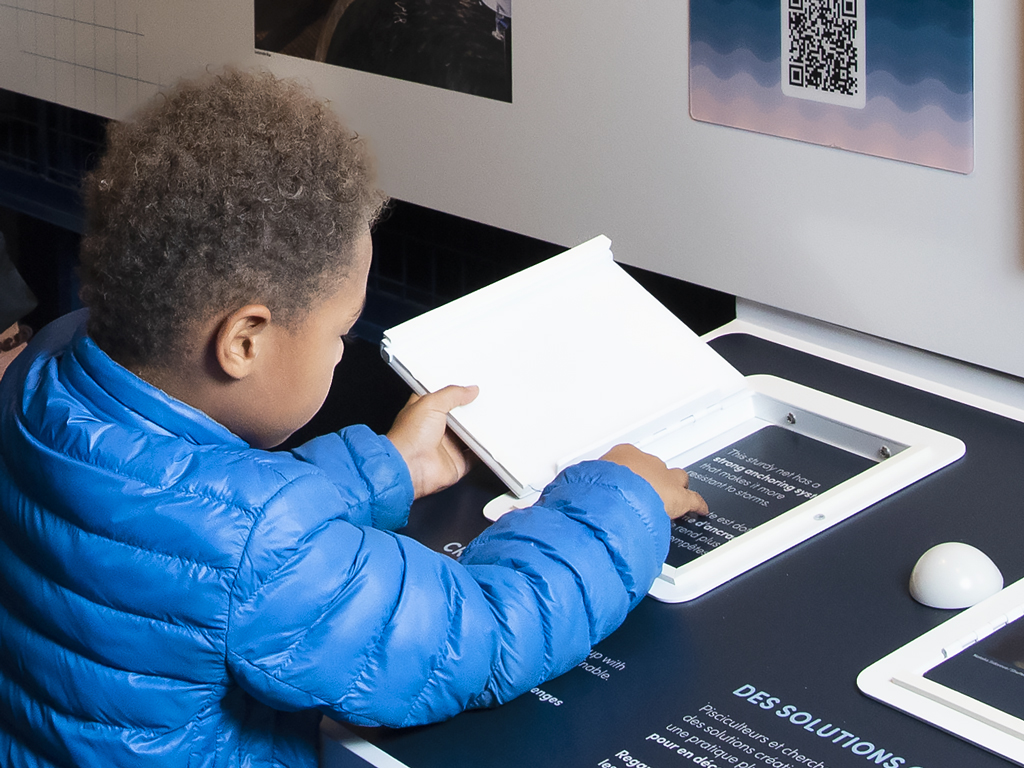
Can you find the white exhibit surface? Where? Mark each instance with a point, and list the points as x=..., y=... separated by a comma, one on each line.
x=572, y=357
x=898, y=679
x=599, y=138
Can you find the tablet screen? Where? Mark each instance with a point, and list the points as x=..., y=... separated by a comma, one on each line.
x=754, y=480
x=990, y=671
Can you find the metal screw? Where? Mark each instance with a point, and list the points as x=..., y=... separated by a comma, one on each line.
x=885, y=452
x=791, y=418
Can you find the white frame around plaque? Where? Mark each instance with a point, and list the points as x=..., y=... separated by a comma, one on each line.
x=898, y=679
x=903, y=453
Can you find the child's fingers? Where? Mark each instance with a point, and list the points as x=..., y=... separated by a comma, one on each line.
x=452, y=396
x=691, y=504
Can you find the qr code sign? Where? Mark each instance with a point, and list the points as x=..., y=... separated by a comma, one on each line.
x=823, y=51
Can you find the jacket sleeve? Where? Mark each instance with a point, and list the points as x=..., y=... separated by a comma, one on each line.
x=359, y=455
x=373, y=628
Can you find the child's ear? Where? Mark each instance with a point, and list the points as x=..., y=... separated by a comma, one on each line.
x=240, y=338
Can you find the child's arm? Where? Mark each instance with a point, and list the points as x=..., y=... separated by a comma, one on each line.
x=418, y=456
x=371, y=627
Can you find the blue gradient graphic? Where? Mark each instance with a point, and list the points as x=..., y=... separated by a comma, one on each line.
x=919, y=65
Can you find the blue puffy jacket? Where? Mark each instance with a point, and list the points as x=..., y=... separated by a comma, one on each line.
x=170, y=596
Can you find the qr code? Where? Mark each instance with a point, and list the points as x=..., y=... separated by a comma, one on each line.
x=823, y=51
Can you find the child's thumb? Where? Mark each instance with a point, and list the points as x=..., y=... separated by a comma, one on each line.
x=453, y=396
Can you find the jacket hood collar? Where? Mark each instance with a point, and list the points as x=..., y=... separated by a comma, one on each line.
x=112, y=387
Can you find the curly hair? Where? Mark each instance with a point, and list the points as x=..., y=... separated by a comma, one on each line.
x=232, y=189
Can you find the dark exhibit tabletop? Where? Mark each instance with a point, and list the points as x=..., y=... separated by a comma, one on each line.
x=761, y=672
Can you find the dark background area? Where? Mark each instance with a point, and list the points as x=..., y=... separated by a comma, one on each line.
x=422, y=258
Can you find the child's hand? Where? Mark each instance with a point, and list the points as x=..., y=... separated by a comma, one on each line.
x=673, y=485
x=420, y=433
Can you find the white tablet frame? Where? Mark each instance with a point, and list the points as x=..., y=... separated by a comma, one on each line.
x=898, y=679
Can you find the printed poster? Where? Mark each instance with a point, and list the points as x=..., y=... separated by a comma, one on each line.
x=891, y=78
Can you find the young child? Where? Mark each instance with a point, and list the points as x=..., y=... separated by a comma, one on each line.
x=176, y=595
